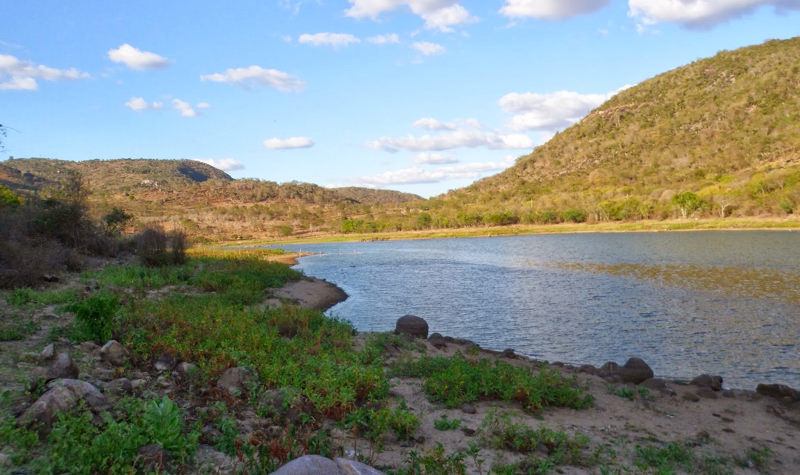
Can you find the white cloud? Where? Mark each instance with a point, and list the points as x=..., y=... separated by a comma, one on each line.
x=553, y=111
x=291, y=142
x=429, y=123
x=700, y=13
x=16, y=74
x=428, y=48
x=433, y=158
x=137, y=59
x=551, y=9
x=387, y=39
x=257, y=76
x=417, y=175
x=438, y=14
x=451, y=140
x=224, y=164
x=184, y=108
x=203, y=105
x=335, y=40
x=139, y=104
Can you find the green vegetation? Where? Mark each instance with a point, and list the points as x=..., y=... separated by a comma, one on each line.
x=443, y=423
x=457, y=380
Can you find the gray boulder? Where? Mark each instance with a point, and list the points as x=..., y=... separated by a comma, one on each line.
x=707, y=381
x=779, y=391
x=235, y=381
x=412, y=325
x=164, y=362
x=47, y=353
x=316, y=464
x=635, y=371
x=62, y=367
x=114, y=353
x=63, y=395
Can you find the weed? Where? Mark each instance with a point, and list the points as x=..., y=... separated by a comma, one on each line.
x=454, y=381
x=94, y=316
x=434, y=461
x=666, y=459
x=758, y=458
x=443, y=423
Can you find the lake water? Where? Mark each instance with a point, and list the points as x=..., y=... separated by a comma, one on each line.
x=722, y=302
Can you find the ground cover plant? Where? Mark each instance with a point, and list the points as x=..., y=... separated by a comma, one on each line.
x=458, y=380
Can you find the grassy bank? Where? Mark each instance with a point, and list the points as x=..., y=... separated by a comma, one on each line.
x=311, y=377
x=525, y=229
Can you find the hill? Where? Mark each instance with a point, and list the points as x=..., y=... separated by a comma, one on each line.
x=194, y=196
x=718, y=137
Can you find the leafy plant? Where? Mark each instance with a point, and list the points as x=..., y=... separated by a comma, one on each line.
x=443, y=423
x=94, y=316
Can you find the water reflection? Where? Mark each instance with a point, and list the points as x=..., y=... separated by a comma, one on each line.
x=721, y=302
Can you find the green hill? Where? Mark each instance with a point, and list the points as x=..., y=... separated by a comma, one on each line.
x=725, y=130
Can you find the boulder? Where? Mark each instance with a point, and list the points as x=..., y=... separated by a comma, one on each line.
x=779, y=391
x=47, y=353
x=89, y=347
x=588, y=369
x=119, y=387
x=351, y=467
x=707, y=381
x=309, y=464
x=209, y=460
x=509, y=353
x=412, y=325
x=63, y=395
x=437, y=340
x=62, y=367
x=114, y=353
x=235, y=381
x=187, y=370
x=635, y=371
x=658, y=384
x=610, y=372
x=164, y=362
x=317, y=464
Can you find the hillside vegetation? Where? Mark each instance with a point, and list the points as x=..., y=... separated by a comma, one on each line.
x=198, y=198
x=718, y=137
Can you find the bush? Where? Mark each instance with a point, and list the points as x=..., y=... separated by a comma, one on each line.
x=157, y=248
x=94, y=317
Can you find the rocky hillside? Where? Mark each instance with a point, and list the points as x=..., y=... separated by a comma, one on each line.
x=726, y=129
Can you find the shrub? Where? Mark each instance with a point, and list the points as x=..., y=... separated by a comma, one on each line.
x=157, y=248
x=94, y=316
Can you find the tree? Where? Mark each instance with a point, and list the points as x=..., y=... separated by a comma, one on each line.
x=2, y=136
x=687, y=202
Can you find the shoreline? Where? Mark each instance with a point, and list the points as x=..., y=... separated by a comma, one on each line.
x=727, y=224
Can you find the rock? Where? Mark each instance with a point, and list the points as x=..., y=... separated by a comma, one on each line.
x=235, y=381
x=437, y=341
x=658, y=384
x=50, y=316
x=209, y=460
x=610, y=371
x=5, y=460
x=47, y=353
x=635, y=371
x=412, y=325
x=50, y=278
x=468, y=431
x=709, y=382
x=164, y=362
x=89, y=347
x=588, y=369
x=187, y=370
x=309, y=464
x=119, y=387
x=62, y=367
x=509, y=353
x=151, y=458
x=164, y=381
x=63, y=395
x=351, y=467
x=114, y=353
x=780, y=392
x=317, y=464
x=283, y=405
x=468, y=408
x=138, y=385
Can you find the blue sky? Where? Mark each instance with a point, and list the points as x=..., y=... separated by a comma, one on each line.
x=415, y=95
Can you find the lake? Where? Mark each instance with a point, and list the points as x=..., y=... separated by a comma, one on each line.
x=720, y=302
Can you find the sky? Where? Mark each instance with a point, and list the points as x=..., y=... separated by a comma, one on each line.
x=422, y=96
